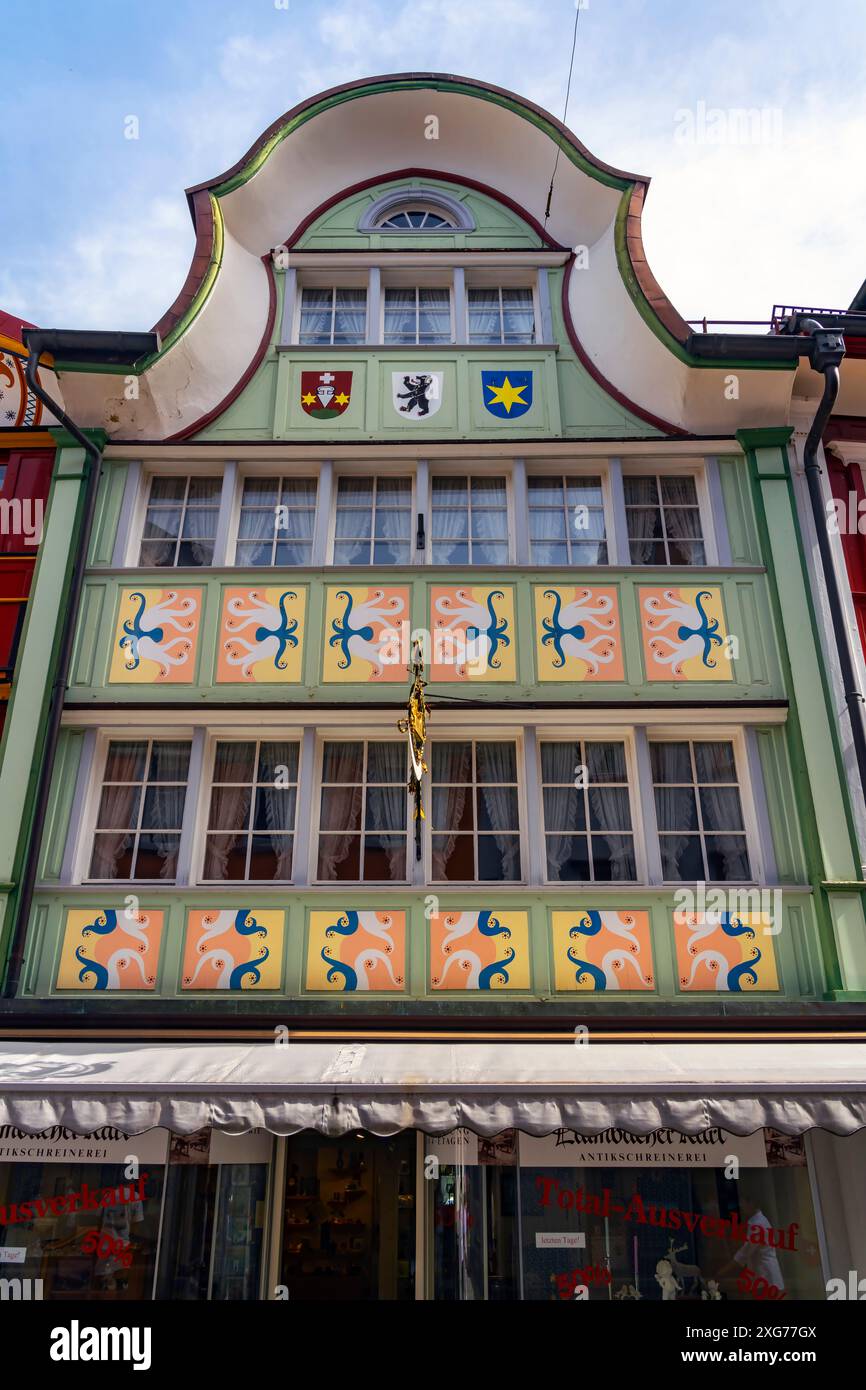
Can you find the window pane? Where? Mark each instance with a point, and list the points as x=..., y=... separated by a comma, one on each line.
x=386, y=762
x=489, y=553
x=163, y=808
x=261, y=492
x=720, y=808
x=125, y=762
x=112, y=856
x=352, y=553
x=453, y=858
x=498, y=858
x=339, y=858
x=678, y=491
x=195, y=553
x=568, y=859
x=156, y=553
x=584, y=491
x=676, y=808
x=451, y=762
x=714, y=762
x=727, y=857
x=274, y=809
x=341, y=808
x=295, y=553
x=496, y=762
x=162, y=522
x=156, y=856
x=271, y=857
x=640, y=492
x=564, y=809
x=384, y=858
x=450, y=553
x=613, y=858
x=343, y=762
x=681, y=857
x=357, y=491
x=605, y=762
x=118, y=808
x=547, y=525
x=647, y=553
x=687, y=553
x=391, y=553
x=273, y=758
x=225, y=857
x=609, y=808
x=671, y=762
x=450, y=492
x=169, y=762
x=353, y=523
x=166, y=489
x=234, y=762
x=299, y=492
x=386, y=808
x=393, y=492
x=229, y=808
x=559, y=762
x=497, y=808
x=204, y=492
x=551, y=553
x=489, y=525
x=392, y=524
x=452, y=808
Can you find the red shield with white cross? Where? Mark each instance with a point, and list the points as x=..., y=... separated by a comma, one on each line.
x=325, y=395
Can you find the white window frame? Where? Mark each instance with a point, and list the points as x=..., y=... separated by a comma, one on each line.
x=695, y=468
x=516, y=737
x=581, y=468
x=409, y=470
x=502, y=284
x=200, y=833
x=417, y=286
x=366, y=736
x=333, y=286
x=596, y=734
x=311, y=470
x=174, y=468
x=83, y=850
x=736, y=736
x=494, y=468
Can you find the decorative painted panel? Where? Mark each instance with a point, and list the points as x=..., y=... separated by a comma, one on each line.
x=479, y=950
x=233, y=948
x=356, y=950
x=261, y=637
x=578, y=634
x=156, y=636
x=106, y=949
x=473, y=633
x=721, y=952
x=362, y=634
x=602, y=950
x=684, y=633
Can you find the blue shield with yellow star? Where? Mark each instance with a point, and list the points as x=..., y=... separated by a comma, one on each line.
x=507, y=394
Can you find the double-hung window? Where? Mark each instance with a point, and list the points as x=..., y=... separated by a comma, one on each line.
x=373, y=521
x=251, y=819
x=363, y=812
x=276, y=521
x=420, y=315
x=566, y=520
x=588, y=834
x=475, y=812
x=470, y=521
x=699, y=813
x=180, y=524
x=664, y=519
x=333, y=317
x=501, y=315
x=140, y=814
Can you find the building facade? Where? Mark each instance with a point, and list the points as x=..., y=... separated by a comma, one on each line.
x=592, y=1020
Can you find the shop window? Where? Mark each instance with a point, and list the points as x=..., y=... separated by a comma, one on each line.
x=474, y=816
x=417, y=315
x=349, y=1228
x=140, y=815
x=333, y=317
x=699, y=812
x=517, y=1217
x=251, y=821
x=363, y=812
x=213, y=1231
x=180, y=525
x=588, y=833
x=79, y=1253
x=664, y=520
x=276, y=521
x=498, y=315
x=470, y=521
x=566, y=521
x=373, y=521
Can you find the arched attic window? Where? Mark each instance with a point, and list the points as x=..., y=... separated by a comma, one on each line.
x=421, y=210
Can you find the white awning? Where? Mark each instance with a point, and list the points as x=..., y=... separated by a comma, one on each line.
x=387, y=1087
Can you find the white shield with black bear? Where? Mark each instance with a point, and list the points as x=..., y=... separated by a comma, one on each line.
x=416, y=395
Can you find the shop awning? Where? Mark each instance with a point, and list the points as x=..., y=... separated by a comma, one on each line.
x=386, y=1087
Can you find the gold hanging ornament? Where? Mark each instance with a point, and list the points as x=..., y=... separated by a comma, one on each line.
x=415, y=726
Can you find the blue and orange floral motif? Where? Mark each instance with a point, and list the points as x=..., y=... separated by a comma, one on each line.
x=597, y=950
x=109, y=949
x=233, y=948
x=684, y=635
x=155, y=637
x=271, y=648
x=473, y=634
x=479, y=950
x=351, y=950
x=363, y=630
x=578, y=634
x=725, y=952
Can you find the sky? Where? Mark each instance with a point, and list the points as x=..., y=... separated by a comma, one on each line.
x=741, y=213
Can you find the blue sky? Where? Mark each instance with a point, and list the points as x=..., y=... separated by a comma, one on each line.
x=95, y=229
